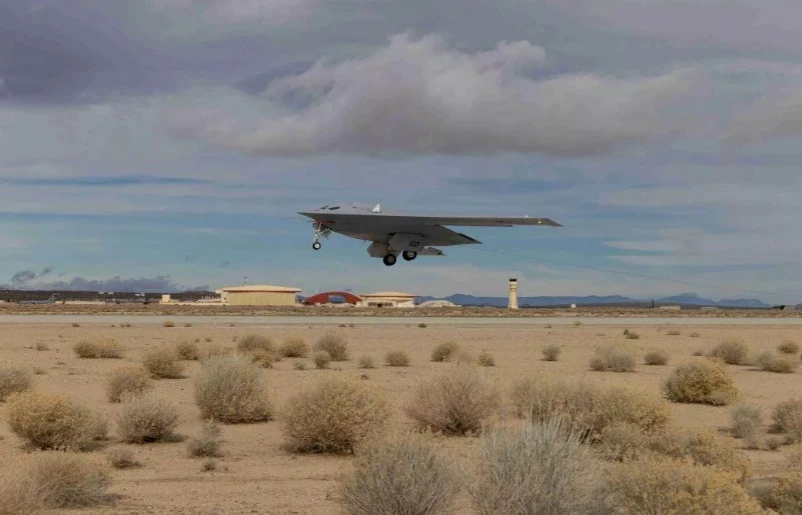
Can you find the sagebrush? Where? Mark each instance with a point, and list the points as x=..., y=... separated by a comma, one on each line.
x=703, y=382
x=334, y=416
x=456, y=401
x=407, y=474
x=14, y=380
x=231, y=389
x=48, y=421
x=130, y=380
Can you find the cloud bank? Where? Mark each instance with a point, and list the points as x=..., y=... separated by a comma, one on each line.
x=416, y=96
x=157, y=284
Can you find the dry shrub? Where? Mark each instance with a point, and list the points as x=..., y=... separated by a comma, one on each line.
x=445, y=352
x=788, y=347
x=702, y=447
x=540, y=468
x=321, y=359
x=622, y=442
x=694, y=335
x=397, y=358
x=782, y=495
x=404, y=475
x=587, y=407
x=733, y=351
x=213, y=350
x=168, y=323
x=672, y=486
x=207, y=445
x=366, y=362
x=14, y=380
x=127, y=381
x=645, y=410
x=334, y=416
x=54, y=480
x=673, y=332
x=256, y=342
x=49, y=421
x=456, y=401
x=263, y=358
x=299, y=365
x=769, y=362
x=335, y=345
x=613, y=359
x=231, y=389
x=187, y=350
x=698, y=352
x=163, y=362
x=787, y=418
x=540, y=399
x=655, y=357
x=631, y=335
x=122, y=459
x=486, y=359
x=746, y=424
x=147, y=419
x=105, y=348
x=295, y=348
x=551, y=352
x=703, y=382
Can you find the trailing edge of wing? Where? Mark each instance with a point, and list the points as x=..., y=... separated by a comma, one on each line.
x=431, y=251
x=489, y=221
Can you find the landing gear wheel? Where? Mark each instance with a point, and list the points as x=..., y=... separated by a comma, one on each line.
x=409, y=255
x=316, y=245
x=389, y=259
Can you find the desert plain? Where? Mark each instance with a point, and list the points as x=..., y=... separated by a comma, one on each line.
x=255, y=474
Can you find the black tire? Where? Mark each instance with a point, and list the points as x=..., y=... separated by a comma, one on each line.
x=409, y=255
x=389, y=259
x=316, y=245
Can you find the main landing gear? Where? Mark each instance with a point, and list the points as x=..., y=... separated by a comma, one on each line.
x=409, y=255
x=389, y=259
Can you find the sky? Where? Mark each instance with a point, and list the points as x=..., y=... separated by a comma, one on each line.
x=161, y=145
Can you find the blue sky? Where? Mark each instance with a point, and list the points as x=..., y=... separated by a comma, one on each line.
x=169, y=144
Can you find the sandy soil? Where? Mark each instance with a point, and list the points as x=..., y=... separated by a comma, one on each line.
x=257, y=476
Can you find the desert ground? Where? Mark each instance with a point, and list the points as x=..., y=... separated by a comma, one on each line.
x=257, y=475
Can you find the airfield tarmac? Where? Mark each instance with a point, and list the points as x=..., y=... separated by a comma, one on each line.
x=256, y=475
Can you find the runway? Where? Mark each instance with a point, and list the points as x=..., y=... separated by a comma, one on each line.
x=377, y=320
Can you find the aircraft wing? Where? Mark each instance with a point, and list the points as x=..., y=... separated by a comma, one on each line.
x=484, y=221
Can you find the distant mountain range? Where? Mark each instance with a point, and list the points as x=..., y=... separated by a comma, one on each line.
x=690, y=299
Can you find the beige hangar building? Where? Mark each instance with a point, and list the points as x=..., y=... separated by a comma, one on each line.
x=395, y=299
x=260, y=295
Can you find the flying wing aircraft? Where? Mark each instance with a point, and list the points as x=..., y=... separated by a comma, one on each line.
x=410, y=235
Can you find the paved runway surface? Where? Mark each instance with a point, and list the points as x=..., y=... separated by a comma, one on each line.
x=317, y=320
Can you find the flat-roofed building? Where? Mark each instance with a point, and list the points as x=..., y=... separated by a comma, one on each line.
x=260, y=295
x=394, y=299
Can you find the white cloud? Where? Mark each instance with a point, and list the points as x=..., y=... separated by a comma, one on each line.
x=416, y=96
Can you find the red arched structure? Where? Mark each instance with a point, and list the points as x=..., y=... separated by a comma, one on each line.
x=323, y=298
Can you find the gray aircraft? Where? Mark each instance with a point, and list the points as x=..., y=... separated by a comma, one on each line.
x=410, y=235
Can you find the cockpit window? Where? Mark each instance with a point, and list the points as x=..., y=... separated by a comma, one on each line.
x=332, y=208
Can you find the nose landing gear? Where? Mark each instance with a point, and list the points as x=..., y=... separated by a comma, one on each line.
x=316, y=245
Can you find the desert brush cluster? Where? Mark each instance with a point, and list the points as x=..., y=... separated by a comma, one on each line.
x=439, y=426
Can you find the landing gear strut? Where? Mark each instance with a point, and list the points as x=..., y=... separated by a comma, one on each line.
x=409, y=255
x=389, y=259
x=318, y=230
